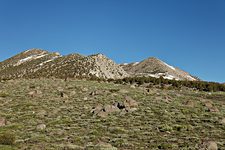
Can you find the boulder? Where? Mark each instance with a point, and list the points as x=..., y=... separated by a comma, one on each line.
x=211, y=145
x=63, y=95
x=2, y=122
x=102, y=114
x=105, y=146
x=130, y=102
x=35, y=93
x=208, y=145
x=223, y=121
x=97, y=109
x=41, y=127
x=190, y=103
x=111, y=108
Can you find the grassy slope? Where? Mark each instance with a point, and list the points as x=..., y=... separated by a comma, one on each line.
x=163, y=120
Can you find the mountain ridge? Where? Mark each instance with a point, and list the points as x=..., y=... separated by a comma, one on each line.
x=34, y=63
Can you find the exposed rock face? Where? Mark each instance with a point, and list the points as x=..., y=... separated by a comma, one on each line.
x=39, y=63
x=106, y=68
x=156, y=68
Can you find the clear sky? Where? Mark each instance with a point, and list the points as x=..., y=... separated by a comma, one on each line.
x=189, y=34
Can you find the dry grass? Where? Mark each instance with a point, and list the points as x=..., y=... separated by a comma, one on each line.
x=165, y=119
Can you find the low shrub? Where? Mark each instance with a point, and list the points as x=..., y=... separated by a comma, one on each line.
x=7, y=139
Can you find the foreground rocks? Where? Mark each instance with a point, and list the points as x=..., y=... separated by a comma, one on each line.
x=209, y=145
x=129, y=105
x=41, y=127
x=2, y=122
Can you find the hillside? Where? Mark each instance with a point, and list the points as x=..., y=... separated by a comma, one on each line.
x=156, y=68
x=36, y=63
x=79, y=114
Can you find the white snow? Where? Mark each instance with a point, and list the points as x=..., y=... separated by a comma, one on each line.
x=26, y=51
x=41, y=64
x=31, y=57
x=125, y=64
x=170, y=77
x=164, y=75
x=191, y=78
x=169, y=66
x=135, y=63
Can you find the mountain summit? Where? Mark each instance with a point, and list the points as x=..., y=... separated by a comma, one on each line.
x=35, y=63
x=156, y=68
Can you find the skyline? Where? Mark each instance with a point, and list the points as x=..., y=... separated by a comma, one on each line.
x=189, y=35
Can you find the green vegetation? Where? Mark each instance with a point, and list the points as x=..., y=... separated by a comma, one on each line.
x=198, y=85
x=165, y=119
x=7, y=139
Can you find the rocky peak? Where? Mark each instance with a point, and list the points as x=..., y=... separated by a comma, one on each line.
x=155, y=67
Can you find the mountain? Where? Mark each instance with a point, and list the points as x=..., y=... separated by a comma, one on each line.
x=35, y=63
x=156, y=68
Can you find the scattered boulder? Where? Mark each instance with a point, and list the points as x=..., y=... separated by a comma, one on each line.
x=133, y=86
x=60, y=89
x=84, y=89
x=111, y=108
x=123, y=91
x=213, y=109
x=97, y=109
x=190, y=103
x=210, y=107
x=63, y=95
x=105, y=146
x=119, y=105
x=129, y=105
x=35, y=93
x=2, y=122
x=223, y=121
x=102, y=114
x=208, y=104
x=212, y=145
x=73, y=93
x=41, y=127
x=208, y=145
x=42, y=114
x=97, y=92
x=130, y=102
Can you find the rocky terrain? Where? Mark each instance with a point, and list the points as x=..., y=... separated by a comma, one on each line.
x=156, y=68
x=36, y=63
x=52, y=114
x=48, y=102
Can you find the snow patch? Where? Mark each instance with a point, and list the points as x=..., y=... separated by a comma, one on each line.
x=164, y=75
x=32, y=57
x=169, y=66
x=135, y=63
x=191, y=78
x=41, y=64
x=26, y=51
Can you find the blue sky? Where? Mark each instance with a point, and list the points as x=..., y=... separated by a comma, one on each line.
x=189, y=34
